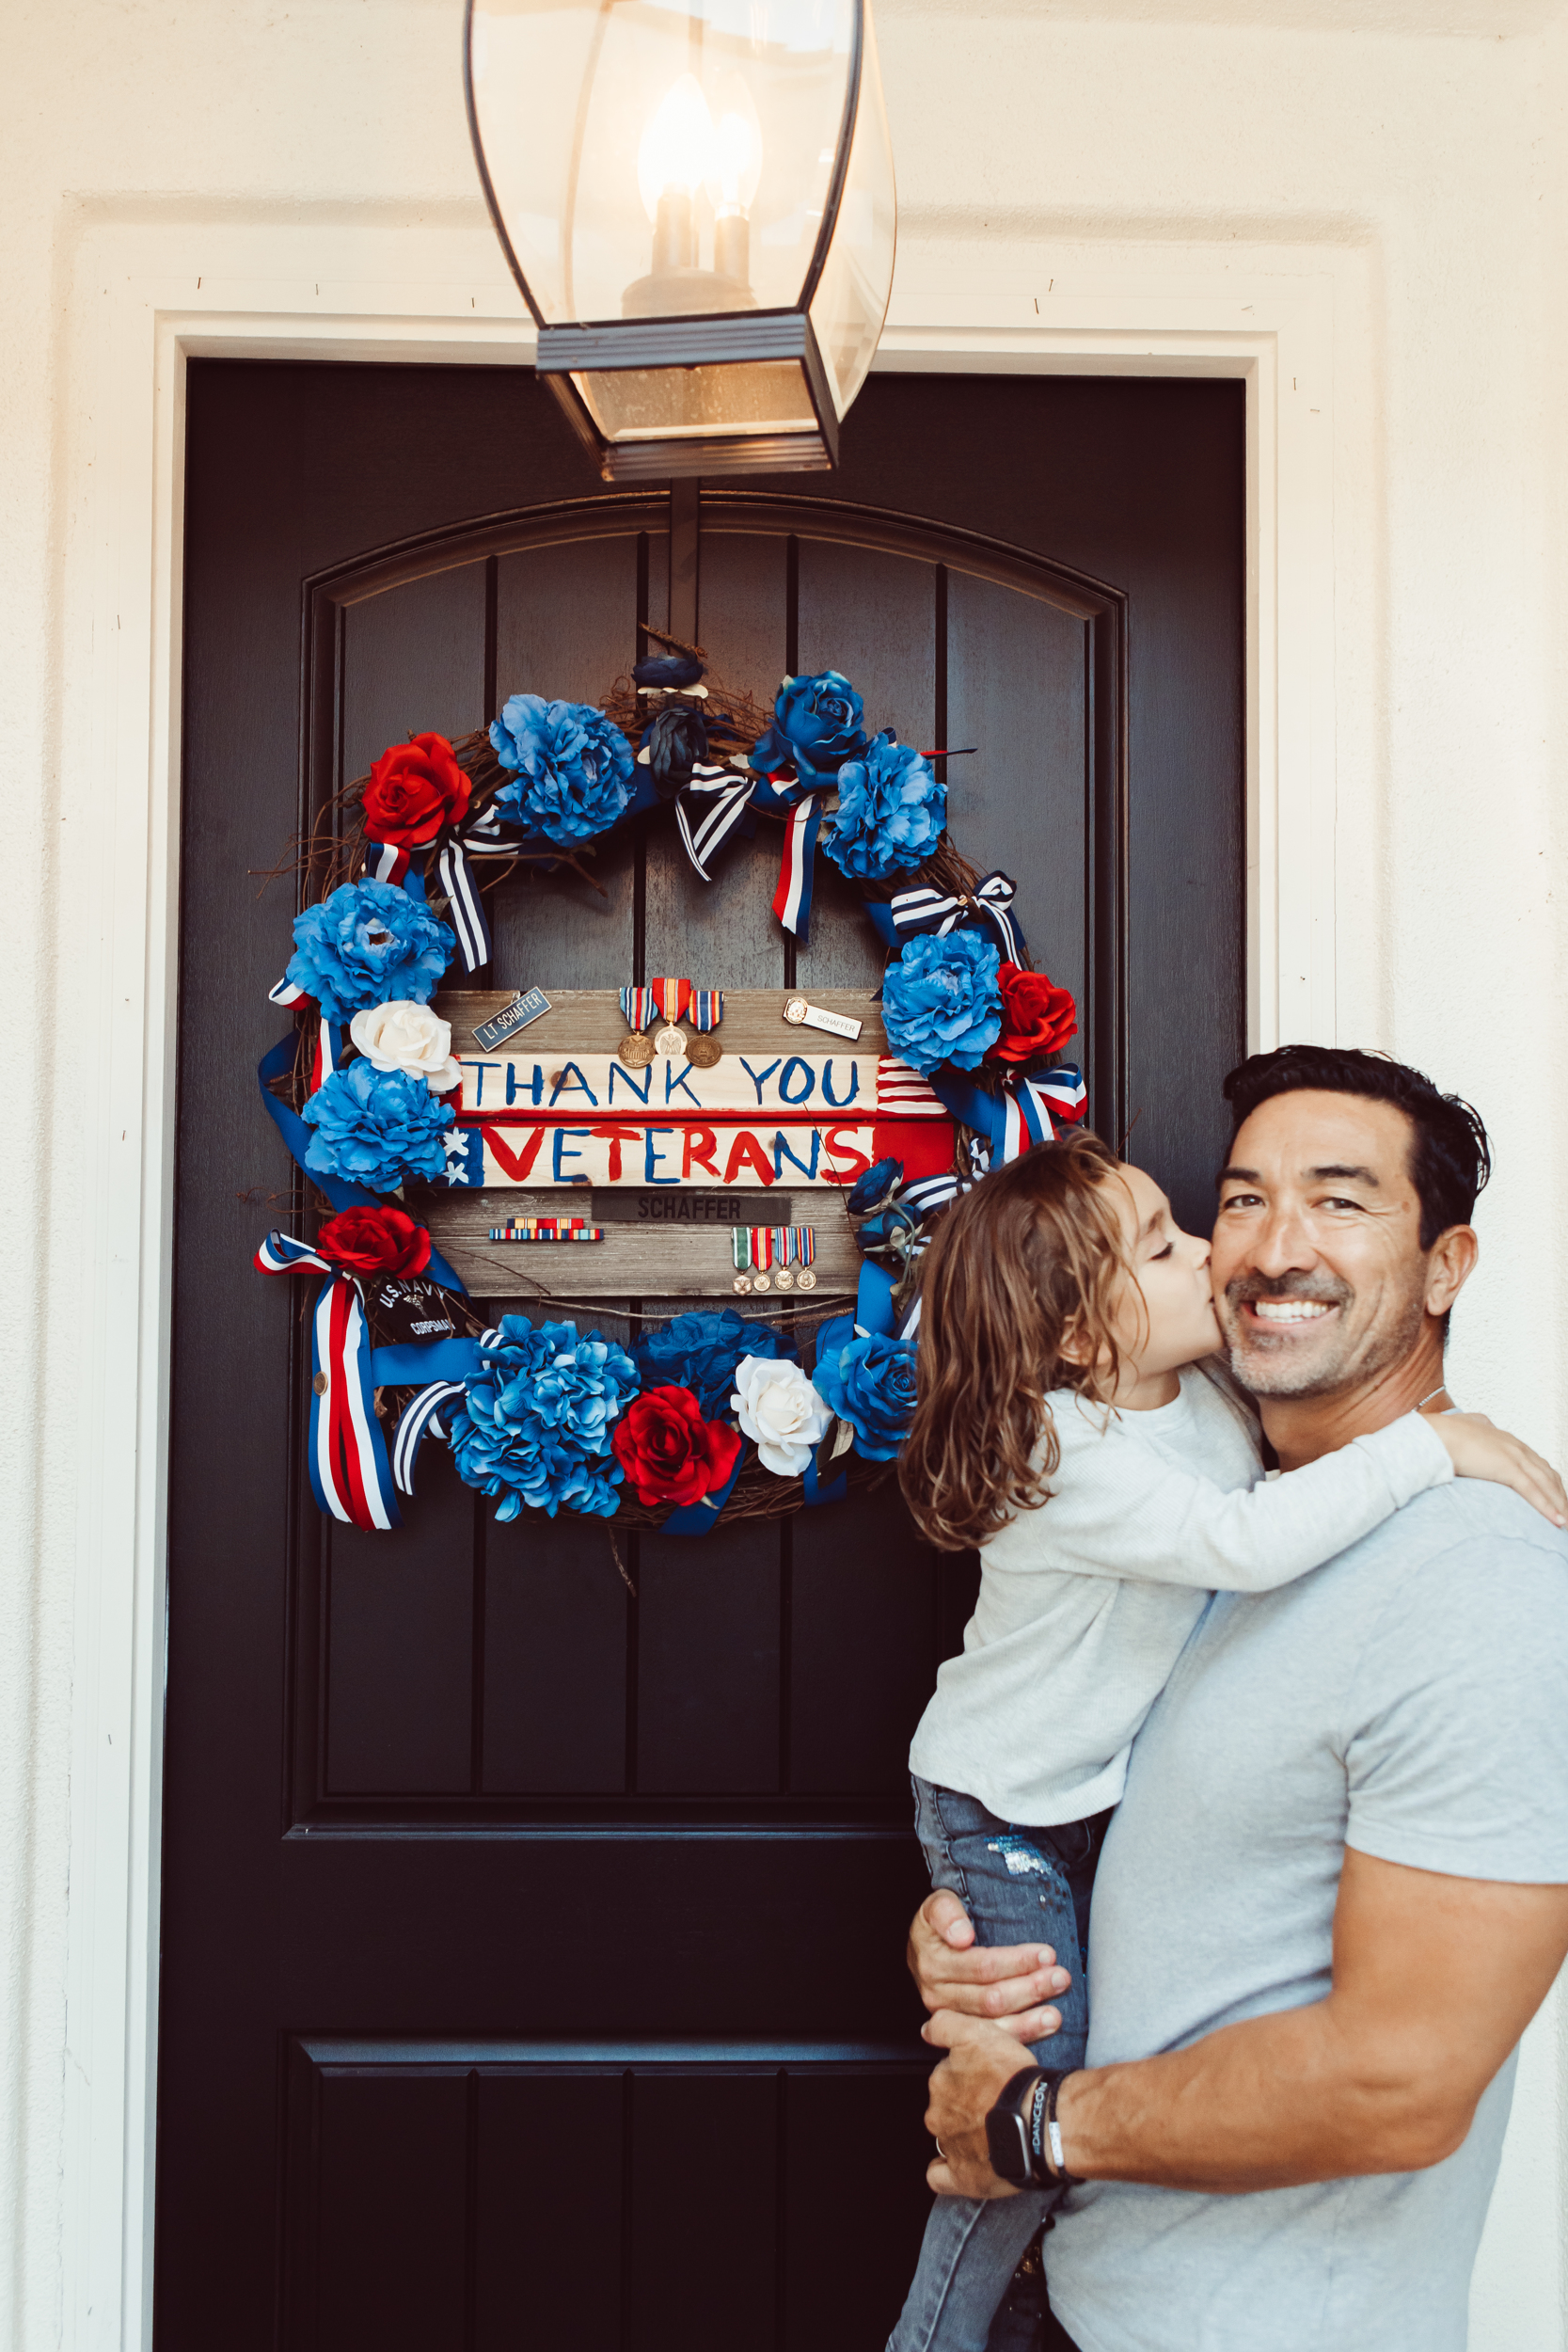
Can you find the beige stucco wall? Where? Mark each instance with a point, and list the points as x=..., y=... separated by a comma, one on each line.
x=1423, y=139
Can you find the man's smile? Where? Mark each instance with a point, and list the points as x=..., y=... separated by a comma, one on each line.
x=1276, y=1312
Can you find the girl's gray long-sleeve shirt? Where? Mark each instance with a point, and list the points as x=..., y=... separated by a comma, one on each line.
x=1086, y=1601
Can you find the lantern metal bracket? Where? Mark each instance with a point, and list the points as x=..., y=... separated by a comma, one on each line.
x=730, y=339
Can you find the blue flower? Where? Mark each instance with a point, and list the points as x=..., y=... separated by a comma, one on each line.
x=572, y=767
x=375, y=1127
x=890, y=811
x=941, y=1001
x=537, y=1429
x=817, y=727
x=700, y=1352
x=868, y=1191
x=869, y=1382
x=369, y=944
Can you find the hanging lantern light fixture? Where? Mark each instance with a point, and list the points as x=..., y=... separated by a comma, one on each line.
x=697, y=203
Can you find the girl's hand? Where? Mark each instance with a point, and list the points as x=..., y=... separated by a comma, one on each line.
x=1478, y=1450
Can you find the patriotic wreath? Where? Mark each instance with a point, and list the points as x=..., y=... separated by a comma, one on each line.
x=705, y=1413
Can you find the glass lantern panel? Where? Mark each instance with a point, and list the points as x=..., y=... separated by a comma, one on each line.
x=851, y=298
x=657, y=161
x=686, y=404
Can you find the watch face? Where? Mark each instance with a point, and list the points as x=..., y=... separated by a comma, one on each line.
x=1008, y=2144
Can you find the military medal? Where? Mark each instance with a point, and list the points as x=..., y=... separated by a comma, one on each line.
x=637, y=1050
x=773, y=1257
x=672, y=998
x=705, y=1011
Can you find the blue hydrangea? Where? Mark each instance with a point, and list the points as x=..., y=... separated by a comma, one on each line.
x=890, y=811
x=868, y=1380
x=573, y=769
x=536, y=1430
x=375, y=1127
x=817, y=727
x=700, y=1352
x=941, y=1002
x=369, y=944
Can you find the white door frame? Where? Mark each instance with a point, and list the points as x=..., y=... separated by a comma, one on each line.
x=144, y=298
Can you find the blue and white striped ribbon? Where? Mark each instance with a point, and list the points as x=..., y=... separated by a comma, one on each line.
x=707, y=811
x=464, y=903
x=798, y=867
x=926, y=908
x=420, y=1420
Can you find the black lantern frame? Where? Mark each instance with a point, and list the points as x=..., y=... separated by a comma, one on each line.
x=592, y=363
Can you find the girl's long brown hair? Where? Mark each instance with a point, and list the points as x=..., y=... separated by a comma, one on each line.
x=1030, y=1260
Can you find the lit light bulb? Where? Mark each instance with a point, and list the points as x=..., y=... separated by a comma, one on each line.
x=735, y=164
x=674, y=155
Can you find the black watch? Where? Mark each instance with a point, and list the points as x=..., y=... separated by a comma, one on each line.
x=1008, y=2133
x=1016, y=2131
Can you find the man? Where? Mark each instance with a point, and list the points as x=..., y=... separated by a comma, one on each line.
x=1336, y=1890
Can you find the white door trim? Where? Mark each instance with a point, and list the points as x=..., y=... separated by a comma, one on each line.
x=145, y=297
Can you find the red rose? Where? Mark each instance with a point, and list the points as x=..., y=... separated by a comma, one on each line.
x=669, y=1453
x=415, y=788
x=375, y=1241
x=1037, y=1017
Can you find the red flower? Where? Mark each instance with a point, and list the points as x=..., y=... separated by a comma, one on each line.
x=415, y=788
x=1037, y=1017
x=669, y=1453
x=375, y=1241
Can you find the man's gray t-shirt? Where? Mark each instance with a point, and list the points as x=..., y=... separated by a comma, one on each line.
x=1409, y=1699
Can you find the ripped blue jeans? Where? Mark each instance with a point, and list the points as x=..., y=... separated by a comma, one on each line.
x=1018, y=1886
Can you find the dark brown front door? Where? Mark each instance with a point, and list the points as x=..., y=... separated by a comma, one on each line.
x=532, y=1944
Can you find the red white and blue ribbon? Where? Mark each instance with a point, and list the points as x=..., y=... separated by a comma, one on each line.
x=327, y=1050
x=798, y=867
x=1029, y=1111
x=350, y=1475
x=707, y=1010
x=386, y=863
x=636, y=1005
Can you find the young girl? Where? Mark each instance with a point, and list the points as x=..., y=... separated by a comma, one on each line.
x=1069, y=1426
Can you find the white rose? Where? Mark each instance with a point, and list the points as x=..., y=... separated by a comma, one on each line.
x=781, y=1410
x=402, y=1036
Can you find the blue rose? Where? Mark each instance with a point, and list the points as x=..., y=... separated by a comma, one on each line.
x=941, y=1001
x=890, y=811
x=869, y=1382
x=536, y=1429
x=868, y=1191
x=817, y=727
x=572, y=768
x=700, y=1352
x=375, y=1127
x=369, y=944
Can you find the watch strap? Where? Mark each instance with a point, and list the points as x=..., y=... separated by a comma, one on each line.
x=1045, y=2140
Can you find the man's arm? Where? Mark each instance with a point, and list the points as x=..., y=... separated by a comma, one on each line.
x=1434, y=1980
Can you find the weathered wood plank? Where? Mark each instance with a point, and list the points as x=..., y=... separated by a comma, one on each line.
x=588, y=1020
x=631, y=1261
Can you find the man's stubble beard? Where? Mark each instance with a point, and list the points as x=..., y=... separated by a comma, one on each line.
x=1351, y=1363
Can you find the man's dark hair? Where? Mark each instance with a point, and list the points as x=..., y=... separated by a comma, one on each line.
x=1450, y=1158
